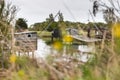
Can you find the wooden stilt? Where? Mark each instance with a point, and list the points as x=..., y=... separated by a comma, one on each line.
x=28, y=53
x=18, y=53
x=32, y=54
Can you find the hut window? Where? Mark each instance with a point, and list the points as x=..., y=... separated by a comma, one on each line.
x=29, y=35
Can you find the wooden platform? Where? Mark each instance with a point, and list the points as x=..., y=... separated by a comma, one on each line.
x=85, y=39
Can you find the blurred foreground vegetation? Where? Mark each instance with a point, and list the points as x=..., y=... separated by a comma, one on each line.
x=105, y=65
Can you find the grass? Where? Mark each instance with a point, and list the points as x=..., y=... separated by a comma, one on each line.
x=104, y=66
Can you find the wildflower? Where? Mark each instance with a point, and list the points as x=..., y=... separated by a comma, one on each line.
x=13, y=58
x=116, y=30
x=57, y=45
x=67, y=39
x=21, y=73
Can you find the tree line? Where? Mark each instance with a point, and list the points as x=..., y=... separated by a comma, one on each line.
x=44, y=26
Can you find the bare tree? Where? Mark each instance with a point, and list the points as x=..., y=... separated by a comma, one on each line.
x=111, y=14
x=110, y=10
x=7, y=15
x=7, y=11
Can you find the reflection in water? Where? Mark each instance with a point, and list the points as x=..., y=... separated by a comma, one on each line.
x=42, y=49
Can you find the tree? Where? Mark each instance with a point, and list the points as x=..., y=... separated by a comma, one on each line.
x=21, y=24
x=7, y=15
x=51, y=18
x=60, y=17
x=110, y=12
x=2, y=3
x=51, y=24
x=7, y=11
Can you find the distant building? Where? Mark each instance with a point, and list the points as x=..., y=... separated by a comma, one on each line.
x=72, y=31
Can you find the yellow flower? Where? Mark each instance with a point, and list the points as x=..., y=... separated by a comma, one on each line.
x=67, y=39
x=13, y=58
x=21, y=73
x=57, y=45
x=116, y=30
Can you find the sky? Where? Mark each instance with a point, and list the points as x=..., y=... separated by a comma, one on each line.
x=38, y=10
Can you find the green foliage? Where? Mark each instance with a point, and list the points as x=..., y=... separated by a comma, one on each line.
x=7, y=14
x=21, y=24
x=22, y=62
x=117, y=45
x=52, y=26
x=66, y=24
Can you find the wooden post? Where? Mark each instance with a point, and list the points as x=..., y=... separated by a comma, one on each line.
x=18, y=53
x=13, y=40
x=32, y=54
x=103, y=42
x=28, y=53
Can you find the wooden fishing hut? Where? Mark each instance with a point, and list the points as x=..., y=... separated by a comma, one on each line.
x=87, y=45
x=26, y=42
